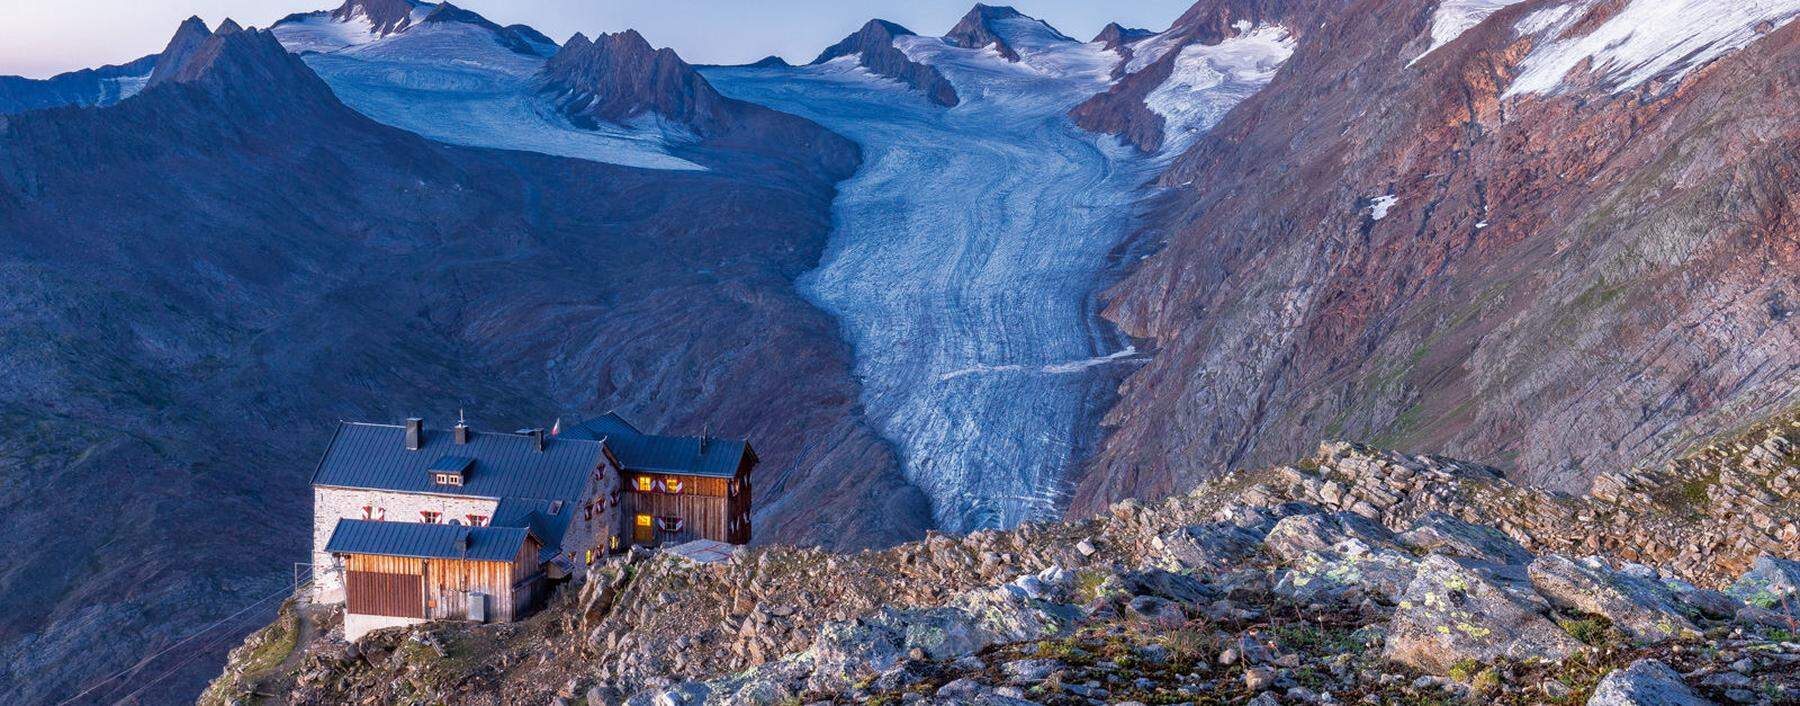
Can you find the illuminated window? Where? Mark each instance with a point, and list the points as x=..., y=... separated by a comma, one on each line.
x=644, y=484
x=672, y=484
x=643, y=520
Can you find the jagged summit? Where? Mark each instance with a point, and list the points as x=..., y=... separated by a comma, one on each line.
x=237, y=62
x=188, y=36
x=873, y=47
x=1115, y=35
x=385, y=16
x=1001, y=27
x=619, y=77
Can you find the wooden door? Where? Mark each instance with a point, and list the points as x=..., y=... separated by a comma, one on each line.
x=643, y=529
x=376, y=593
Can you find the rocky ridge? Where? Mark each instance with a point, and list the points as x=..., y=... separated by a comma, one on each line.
x=1350, y=577
x=873, y=47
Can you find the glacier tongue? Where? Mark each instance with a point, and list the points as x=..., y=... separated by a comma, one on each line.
x=964, y=264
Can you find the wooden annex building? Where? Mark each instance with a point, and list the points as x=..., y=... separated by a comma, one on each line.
x=677, y=488
x=412, y=524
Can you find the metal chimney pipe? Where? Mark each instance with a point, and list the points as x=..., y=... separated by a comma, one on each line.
x=415, y=433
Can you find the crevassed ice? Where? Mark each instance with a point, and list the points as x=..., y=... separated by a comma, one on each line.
x=963, y=262
x=1644, y=40
x=1454, y=17
x=1208, y=80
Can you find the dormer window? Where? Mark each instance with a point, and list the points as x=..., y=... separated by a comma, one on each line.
x=430, y=518
x=477, y=520
x=450, y=471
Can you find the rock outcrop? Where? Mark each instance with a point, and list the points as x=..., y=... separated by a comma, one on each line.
x=1192, y=599
x=385, y=17
x=873, y=47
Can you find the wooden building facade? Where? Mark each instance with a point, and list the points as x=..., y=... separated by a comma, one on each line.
x=396, y=573
x=671, y=508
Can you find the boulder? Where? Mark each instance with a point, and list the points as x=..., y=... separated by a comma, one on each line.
x=1329, y=554
x=1642, y=608
x=1771, y=584
x=1214, y=547
x=1646, y=682
x=1443, y=534
x=1165, y=584
x=1294, y=536
x=1457, y=609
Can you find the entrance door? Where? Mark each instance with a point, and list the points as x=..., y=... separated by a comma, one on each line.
x=643, y=529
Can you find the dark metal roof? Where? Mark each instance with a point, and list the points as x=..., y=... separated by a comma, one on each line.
x=649, y=453
x=451, y=464
x=537, y=515
x=417, y=539
x=610, y=423
x=502, y=465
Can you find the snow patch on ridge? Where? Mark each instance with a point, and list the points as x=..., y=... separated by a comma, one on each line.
x=1454, y=17
x=1647, y=39
x=1147, y=51
x=1379, y=207
x=1209, y=80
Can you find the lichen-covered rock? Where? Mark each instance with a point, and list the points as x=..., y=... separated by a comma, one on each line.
x=1646, y=682
x=1443, y=534
x=1457, y=609
x=1642, y=608
x=1771, y=584
x=1212, y=547
x=1329, y=554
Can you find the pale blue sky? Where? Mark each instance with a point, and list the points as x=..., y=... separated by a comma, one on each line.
x=44, y=37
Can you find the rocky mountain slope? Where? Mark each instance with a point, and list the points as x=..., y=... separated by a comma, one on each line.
x=226, y=263
x=1354, y=576
x=874, y=49
x=1552, y=242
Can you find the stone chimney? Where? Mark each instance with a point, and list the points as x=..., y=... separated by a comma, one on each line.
x=415, y=433
x=537, y=439
x=461, y=432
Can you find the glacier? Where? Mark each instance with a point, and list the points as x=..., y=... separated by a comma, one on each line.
x=965, y=261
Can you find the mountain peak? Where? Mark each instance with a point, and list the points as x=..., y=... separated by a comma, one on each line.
x=873, y=47
x=235, y=60
x=188, y=37
x=1115, y=35
x=984, y=27
x=619, y=77
x=385, y=16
